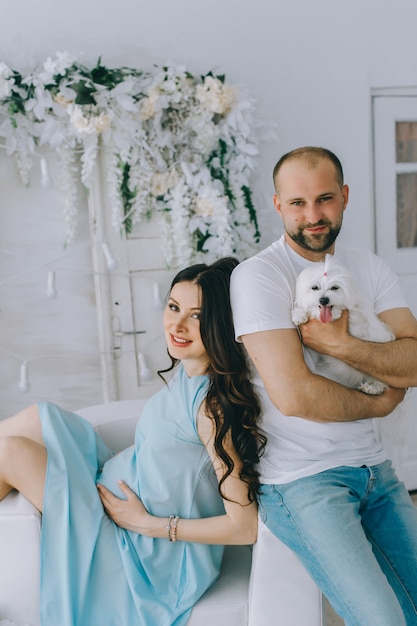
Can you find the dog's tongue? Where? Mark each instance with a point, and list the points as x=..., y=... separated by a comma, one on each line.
x=325, y=314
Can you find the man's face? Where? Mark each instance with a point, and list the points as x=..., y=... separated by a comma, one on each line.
x=311, y=204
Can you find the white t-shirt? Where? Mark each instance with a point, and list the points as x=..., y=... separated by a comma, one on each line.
x=262, y=292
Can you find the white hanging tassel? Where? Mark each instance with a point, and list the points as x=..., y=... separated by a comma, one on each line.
x=51, y=291
x=24, y=384
x=144, y=371
x=45, y=178
x=157, y=300
x=111, y=262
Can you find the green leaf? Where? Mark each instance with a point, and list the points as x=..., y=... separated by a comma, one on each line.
x=17, y=78
x=16, y=106
x=109, y=78
x=251, y=209
x=127, y=195
x=201, y=240
x=220, y=77
x=84, y=93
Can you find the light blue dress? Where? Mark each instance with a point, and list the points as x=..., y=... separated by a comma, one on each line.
x=94, y=573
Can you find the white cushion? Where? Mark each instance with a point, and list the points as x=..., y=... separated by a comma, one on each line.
x=226, y=602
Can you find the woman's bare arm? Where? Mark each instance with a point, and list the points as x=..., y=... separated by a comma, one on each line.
x=237, y=526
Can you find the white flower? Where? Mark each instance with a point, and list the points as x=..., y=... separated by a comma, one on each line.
x=148, y=104
x=113, y=181
x=88, y=159
x=123, y=95
x=215, y=95
x=5, y=71
x=62, y=99
x=77, y=119
x=5, y=88
x=212, y=216
x=94, y=124
x=101, y=122
x=204, y=207
x=40, y=103
x=175, y=146
x=6, y=83
x=69, y=192
x=162, y=181
x=175, y=82
x=57, y=66
x=179, y=235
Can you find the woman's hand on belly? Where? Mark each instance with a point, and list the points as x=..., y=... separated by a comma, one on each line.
x=127, y=513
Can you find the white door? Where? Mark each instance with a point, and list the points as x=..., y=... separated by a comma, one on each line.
x=395, y=159
x=130, y=300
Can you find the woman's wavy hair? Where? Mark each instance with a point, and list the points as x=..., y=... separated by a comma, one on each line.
x=231, y=400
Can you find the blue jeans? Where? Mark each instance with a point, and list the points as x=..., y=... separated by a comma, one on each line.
x=355, y=531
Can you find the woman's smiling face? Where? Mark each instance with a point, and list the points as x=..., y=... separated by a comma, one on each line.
x=181, y=321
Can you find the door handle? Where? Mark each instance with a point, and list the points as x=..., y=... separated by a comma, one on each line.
x=120, y=333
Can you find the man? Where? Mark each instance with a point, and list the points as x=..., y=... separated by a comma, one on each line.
x=328, y=490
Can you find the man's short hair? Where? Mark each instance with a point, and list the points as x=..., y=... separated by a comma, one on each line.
x=310, y=155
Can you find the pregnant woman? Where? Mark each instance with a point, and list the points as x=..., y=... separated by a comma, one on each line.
x=135, y=539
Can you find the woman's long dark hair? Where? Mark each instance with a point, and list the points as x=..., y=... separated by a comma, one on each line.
x=231, y=400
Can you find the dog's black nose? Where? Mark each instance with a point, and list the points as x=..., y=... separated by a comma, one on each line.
x=324, y=300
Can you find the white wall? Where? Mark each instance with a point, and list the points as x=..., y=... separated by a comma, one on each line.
x=311, y=65
x=57, y=337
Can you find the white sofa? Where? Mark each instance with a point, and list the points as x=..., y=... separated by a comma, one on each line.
x=263, y=586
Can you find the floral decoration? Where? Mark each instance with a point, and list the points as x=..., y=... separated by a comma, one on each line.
x=173, y=144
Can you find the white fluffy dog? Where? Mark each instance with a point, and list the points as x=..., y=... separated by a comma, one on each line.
x=323, y=291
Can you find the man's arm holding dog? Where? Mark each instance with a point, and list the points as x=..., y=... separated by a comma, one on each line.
x=394, y=362
x=295, y=390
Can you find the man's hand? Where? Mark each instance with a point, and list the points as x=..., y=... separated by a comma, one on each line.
x=129, y=514
x=326, y=338
x=388, y=400
x=331, y=338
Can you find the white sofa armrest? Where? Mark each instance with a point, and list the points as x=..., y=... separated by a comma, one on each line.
x=280, y=586
x=20, y=531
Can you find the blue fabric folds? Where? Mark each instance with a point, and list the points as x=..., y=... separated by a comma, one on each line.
x=94, y=573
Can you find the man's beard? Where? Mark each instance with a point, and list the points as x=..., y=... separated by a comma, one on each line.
x=319, y=242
